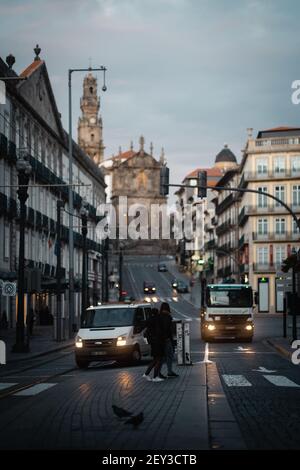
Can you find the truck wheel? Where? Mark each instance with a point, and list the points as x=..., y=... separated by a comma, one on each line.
x=81, y=363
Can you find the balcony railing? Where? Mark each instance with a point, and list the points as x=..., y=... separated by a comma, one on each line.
x=224, y=227
x=210, y=245
x=268, y=209
x=277, y=141
x=266, y=267
x=225, y=204
x=284, y=236
x=261, y=176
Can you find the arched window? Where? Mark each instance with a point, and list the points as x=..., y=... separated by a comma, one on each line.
x=91, y=90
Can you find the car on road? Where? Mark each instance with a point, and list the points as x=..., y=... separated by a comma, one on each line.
x=182, y=287
x=149, y=287
x=113, y=332
x=162, y=267
x=174, y=283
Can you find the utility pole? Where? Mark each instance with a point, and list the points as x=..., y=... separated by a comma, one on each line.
x=59, y=206
x=120, y=273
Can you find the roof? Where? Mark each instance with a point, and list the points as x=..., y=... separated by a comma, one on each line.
x=31, y=68
x=213, y=175
x=226, y=155
x=281, y=130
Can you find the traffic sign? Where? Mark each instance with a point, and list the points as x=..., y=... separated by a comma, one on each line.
x=9, y=289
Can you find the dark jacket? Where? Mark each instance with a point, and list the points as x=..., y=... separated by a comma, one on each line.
x=154, y=335
x=166, y=326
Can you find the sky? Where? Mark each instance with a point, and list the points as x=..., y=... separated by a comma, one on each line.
x=189, y=75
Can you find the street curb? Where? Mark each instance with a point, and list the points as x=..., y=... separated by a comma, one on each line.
x=280, y=349
x=224, y=431
x=44, y=353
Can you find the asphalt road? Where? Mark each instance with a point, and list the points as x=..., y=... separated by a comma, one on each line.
x=51, y=404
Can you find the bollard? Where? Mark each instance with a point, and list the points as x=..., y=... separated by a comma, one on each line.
x=183, y=343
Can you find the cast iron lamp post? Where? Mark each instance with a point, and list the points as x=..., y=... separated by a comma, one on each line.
x=84, y=217
x=24, y=170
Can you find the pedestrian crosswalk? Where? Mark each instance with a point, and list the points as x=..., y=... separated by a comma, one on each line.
x=30, y=391
x=238, y=380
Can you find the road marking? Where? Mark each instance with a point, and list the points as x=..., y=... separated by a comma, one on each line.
x=206, y=355
x=280, y=381
x=34, y=390
x=240, y=348
x=263, y=369
x=236, y=381
x=5, y=385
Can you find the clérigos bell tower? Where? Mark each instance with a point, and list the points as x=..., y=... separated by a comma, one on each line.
x=90, y=123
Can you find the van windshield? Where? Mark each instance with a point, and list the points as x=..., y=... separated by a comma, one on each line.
x=229, y=297
x=106, y=317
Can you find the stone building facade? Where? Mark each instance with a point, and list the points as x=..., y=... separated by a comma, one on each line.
x=30, y=121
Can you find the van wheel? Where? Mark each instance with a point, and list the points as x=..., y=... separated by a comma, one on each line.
x=136, y=355
x=82, y=364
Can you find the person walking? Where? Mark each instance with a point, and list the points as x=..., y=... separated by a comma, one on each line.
x=153, y=334
x=166, y=321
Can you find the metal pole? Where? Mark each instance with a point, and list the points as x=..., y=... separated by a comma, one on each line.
x=106, y=269
x=84, y=266
x=120, y=274
x=59, y=205
x=294, y=306
x=20, y=346
x=72, y=327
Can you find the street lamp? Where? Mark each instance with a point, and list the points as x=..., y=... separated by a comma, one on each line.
x=121, y=247
x=24, y=170
x=84, y=217
x=72, y=326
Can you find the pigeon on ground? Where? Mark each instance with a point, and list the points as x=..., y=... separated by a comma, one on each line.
x=120, y=412
x=135, y=420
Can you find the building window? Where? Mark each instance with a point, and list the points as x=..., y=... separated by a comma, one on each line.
x=295, y=227
x=295, y=165
x=92, y=137
x=280, y=193
x=261, y=199
x=262, y=166
x=262, y=226
x=262, y=254
x=296, y=195
x=280, y=254
x=279, y=165
x=280, y=226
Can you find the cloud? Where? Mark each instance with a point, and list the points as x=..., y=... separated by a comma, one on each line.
x=189, y=75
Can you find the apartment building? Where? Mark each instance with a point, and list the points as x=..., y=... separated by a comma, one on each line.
x=29, y=120
x=268, y=233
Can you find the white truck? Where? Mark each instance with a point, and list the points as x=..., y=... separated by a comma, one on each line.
x=227, y=312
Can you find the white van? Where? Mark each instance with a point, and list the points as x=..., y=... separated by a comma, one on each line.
x=113, y=332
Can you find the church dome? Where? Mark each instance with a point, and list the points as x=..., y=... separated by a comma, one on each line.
x=225, y=156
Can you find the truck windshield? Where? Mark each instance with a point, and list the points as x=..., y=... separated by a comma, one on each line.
x=233, y=297
x=106, y=317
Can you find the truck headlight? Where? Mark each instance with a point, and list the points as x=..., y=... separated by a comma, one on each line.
x=211, y=327
x=121, y=341
x=78, y=342
x=249, y=327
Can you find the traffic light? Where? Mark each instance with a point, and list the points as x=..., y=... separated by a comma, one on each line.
x=164, y=181
x=202, y=183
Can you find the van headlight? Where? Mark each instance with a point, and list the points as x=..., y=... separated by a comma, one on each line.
x=121, y=341
x=249, y=327
x=211, y=327
x=78, y=342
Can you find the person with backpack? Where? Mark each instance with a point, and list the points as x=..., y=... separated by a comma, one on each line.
x=153, y=334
